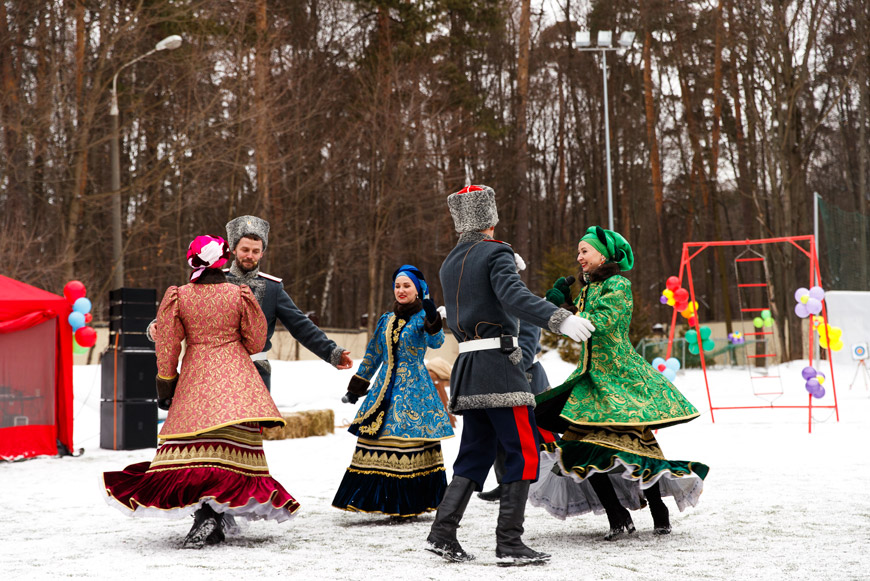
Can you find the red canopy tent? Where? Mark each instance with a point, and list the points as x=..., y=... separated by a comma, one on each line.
x=36, y=387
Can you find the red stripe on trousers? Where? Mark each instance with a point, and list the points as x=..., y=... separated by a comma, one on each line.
x=547, y=436
x=527, y=442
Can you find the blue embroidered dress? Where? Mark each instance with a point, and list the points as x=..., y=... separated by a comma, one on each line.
x=397, y=467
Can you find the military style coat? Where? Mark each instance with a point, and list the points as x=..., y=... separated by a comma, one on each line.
x=278, y=306
x=485, y=298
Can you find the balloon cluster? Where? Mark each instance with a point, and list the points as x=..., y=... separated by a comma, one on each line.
x=809, y=302
x=834, y=335
x=676, y=296
x=815, y=379
x=667, y=368
x=83, y=336
x=736, y=338
x=765, y=320
x=706, y=343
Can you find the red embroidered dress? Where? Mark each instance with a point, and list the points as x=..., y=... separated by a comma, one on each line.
x=211, y=447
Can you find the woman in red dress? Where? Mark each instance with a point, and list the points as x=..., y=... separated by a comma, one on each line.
x=210, y=461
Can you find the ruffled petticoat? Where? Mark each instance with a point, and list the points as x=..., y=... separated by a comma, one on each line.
x=632, y=459
x=393, y=477
x=225, y=468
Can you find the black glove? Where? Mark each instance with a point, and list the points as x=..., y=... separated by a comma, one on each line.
x=560, y=294
x=356, y=388
x=431, y=311
x=165, y=391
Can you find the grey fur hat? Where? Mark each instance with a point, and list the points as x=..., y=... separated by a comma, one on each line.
x=473, y=208
x=237, y=228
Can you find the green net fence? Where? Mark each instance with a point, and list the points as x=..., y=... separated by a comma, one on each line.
x=844, y=244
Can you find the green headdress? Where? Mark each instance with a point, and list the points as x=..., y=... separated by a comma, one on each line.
x=611, y=244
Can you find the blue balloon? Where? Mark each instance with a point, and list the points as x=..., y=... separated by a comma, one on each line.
x=76, y=320
x=670, y=374
x=657, y=362
x=673, y=363
x=82, y=306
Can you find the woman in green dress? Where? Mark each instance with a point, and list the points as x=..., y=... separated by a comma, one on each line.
x=608, y=458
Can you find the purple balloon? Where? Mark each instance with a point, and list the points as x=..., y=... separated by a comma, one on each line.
x=812, y=385
x=820, y=374
x=808, y=373
x=799, y=293
x=801, y=311
x=819, y=393
x=817, y=293
x=814, y=306
x=663, y=300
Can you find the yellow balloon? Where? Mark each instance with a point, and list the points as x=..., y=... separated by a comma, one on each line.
x=805, y=298
x=837, y=346
x=671, y=302
x=668, y=293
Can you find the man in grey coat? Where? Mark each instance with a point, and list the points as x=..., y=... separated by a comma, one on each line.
x=248, y=237
x=485, y=298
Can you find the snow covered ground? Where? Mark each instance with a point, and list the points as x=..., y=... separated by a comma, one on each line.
x=779, y=503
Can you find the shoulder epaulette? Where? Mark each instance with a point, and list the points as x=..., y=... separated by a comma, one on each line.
x=499, y=241
x=270, y=277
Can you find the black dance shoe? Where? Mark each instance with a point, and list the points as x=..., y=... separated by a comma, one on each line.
x=626, y=526
x=205, y=522
x=448, y=550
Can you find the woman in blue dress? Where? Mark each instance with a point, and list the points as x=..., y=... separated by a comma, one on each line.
x=397, y=468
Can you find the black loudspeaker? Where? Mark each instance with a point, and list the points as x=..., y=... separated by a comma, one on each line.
x=128, y=425
x=136, y=372
x=130, y=312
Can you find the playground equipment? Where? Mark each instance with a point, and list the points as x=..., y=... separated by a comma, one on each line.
x=764, y=331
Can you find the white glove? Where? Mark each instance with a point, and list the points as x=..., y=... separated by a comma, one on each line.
x=442, y=310
x=521, y=264
x=577, y=328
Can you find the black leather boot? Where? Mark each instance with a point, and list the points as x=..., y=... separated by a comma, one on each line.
x=618, y=517
x=442, y=536
x=217, y=536
x=509, y=546
x=660, y=514
x=205, y=521
x=494, y=495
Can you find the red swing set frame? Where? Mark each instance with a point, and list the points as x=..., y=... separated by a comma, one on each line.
x=693, y=249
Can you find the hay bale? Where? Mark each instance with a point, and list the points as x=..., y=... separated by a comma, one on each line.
x=302, y=425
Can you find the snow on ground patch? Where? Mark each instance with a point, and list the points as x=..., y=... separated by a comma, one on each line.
x=779, y=503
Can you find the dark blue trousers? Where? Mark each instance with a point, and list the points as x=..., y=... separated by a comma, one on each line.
x=485, y=431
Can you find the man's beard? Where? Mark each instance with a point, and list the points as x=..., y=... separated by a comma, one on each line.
x=245, y=266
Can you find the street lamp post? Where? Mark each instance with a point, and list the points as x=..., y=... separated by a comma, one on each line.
x=168, y=43
x=605, y=44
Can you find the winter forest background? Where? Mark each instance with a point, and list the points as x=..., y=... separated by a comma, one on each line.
x=346, y=123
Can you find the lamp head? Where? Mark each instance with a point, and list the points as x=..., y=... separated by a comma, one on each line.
x=605, y=38
x=169, y=43
x=626, y=38
x=582, y=39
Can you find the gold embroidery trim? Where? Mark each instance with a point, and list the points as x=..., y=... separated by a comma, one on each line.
x=392, y=332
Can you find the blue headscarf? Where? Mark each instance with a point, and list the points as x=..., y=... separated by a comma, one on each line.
x=416, y=277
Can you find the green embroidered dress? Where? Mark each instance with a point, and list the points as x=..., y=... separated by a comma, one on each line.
x=606, y=411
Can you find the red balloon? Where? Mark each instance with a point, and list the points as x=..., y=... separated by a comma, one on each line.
x=673, y=283
x=662, y=367
x=681, y=306
x=86, y=336
x=681, y=295
x=88, y=318
x=74, y=290
x=691, y=321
